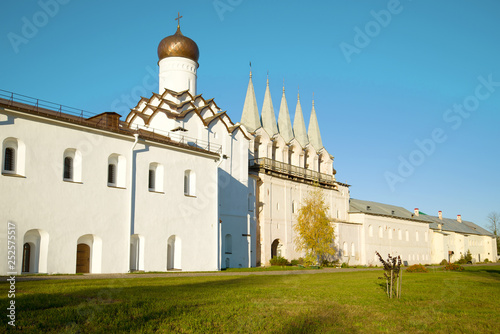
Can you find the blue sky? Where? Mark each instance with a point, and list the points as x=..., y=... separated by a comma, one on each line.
x=407, y=93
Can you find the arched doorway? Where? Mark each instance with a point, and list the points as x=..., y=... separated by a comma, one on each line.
x=173, y=253
x=89, y=257
x=256, y=148
x=35, y=250
x=275, y=248
x=82, y=258
x=26, y=257
x=136, y=252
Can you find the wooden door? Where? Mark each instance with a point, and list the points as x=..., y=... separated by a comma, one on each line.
x=26, y=257
x=82, y=258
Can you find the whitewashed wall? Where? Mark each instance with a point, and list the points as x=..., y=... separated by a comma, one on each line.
x=66, y=211
x=60, y=214
x=481, y=247
x=276, y=217
x=389, y=242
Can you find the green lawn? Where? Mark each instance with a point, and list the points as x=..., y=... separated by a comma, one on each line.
x=443, y=302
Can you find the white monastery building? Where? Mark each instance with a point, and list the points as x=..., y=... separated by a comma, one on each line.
x=177, y=185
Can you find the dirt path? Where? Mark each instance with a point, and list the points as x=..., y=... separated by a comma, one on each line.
x=22, y=278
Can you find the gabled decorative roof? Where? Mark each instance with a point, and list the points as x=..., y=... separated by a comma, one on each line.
x=299, y=127
x=284, y=124
x=313, y=131
x=250, y=116
x=209, y=120
x=268, y=118
x=206, y=110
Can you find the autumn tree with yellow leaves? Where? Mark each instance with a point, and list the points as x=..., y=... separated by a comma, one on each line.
x=315, y=233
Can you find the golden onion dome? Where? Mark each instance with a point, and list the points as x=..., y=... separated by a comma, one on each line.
x=178, y=45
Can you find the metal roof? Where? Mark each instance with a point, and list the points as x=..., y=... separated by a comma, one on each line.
x=447, y=224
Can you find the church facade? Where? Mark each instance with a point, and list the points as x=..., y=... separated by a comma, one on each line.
x=165, y=189
x=288, y=161
x=177, y=185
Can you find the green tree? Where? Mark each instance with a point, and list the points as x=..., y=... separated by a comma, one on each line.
x=494, y=226
x=315, y=233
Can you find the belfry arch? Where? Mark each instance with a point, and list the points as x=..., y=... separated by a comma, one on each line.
x=276, y=248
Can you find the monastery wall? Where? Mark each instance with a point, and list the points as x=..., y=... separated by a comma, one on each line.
x=387, y=235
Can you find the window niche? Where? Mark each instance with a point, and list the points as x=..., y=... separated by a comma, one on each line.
x=155, y=177
x=13, y=157
x=116, y=171
x=189, y=183
x=72, y=165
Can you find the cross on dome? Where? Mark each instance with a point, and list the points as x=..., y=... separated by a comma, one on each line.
x=178, y=19
x=178, y=45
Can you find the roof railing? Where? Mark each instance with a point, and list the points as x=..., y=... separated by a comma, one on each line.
x=43, y=104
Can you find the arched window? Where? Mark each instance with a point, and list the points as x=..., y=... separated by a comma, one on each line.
x=13, y=153
x=155, y=177
x=151, y=179
x=416, y=236
x=72, y=165
x=68, y=169
x=380, y=232
x=353, y=253
x=116, y=171
x=407, y=236
x=346, y=252
x=390, y=233
x=111, y=175
x=370, y=231
x=9, y=161
x=186, y=182
x=400, y=235
x=189, y=183
x=229, y=244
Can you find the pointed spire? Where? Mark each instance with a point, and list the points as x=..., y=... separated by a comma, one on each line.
x=268, y=118
x=299, y=127
x=250, y=116
x=284, y=124
x=313, y=131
